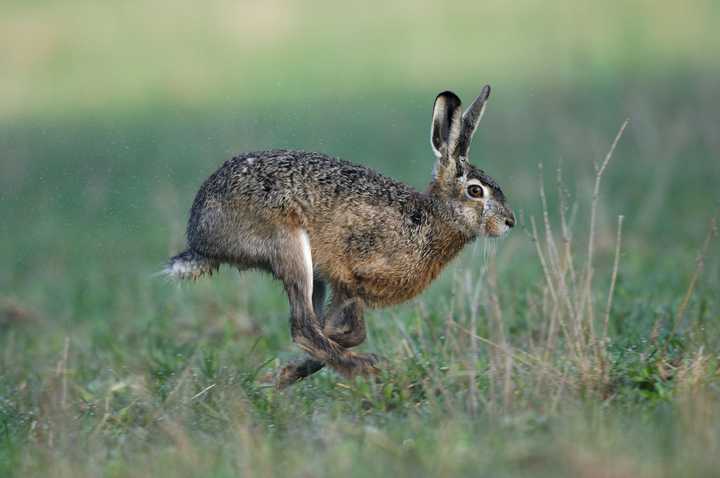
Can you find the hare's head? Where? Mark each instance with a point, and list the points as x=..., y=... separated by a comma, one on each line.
x=476, y=198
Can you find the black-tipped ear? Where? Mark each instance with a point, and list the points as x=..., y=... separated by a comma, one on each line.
x=446, y=123
x=471, y=119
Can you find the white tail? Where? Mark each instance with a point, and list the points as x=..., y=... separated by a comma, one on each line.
x=189, y=265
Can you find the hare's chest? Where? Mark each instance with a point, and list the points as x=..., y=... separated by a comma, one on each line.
x=396, y=273
x=388, y=279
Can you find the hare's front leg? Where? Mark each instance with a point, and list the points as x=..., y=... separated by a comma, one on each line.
x=293, y=265
x=318, y=298
x=345, y=323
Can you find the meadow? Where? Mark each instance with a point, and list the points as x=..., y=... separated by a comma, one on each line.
x=585, y=343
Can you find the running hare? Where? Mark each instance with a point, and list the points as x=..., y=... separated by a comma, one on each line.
x=313, y=220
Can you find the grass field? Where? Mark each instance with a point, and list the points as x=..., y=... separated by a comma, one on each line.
x=514, y=363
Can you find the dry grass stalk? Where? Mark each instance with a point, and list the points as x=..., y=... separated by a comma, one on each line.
x=569, y=306
x=519, y=356
x=613, y=279
x=700, y=262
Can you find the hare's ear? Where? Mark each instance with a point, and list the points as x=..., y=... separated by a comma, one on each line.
x=470, y=121
x=445, y=131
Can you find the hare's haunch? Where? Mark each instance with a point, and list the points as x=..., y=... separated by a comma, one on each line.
x=313, y=220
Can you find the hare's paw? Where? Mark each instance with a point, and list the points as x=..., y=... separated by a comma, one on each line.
x=296, y=371
x=353, y=364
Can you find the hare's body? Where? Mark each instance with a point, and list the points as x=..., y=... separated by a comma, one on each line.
x=368, y=234
x=312, y=220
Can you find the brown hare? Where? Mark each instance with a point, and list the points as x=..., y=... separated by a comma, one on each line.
x=312, y=220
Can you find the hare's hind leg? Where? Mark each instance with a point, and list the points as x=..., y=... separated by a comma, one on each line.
x=344, y=324
x=292, y=264
x=303, y=368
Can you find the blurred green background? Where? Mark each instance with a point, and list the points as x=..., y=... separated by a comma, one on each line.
x=113, y=113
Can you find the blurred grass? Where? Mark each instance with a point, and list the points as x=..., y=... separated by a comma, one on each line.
x=76, y=56
x=111, y=115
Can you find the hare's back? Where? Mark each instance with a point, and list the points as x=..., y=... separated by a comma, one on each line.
x=281, y=179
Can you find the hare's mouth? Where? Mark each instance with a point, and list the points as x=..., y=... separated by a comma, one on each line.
x=496, y=227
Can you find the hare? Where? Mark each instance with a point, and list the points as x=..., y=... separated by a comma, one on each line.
x=312, y=220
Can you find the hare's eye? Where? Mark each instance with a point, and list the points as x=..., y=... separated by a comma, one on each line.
x=475, y=191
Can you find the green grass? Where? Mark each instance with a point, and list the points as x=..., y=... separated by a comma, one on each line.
x=113, y=116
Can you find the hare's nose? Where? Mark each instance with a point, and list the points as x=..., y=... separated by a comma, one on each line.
x=510, y=221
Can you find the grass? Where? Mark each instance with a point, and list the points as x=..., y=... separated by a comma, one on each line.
x=583, y=344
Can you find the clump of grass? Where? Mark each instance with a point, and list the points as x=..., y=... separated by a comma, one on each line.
x=569, y=301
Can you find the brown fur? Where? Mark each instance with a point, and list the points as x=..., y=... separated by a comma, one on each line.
x=310, y=219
